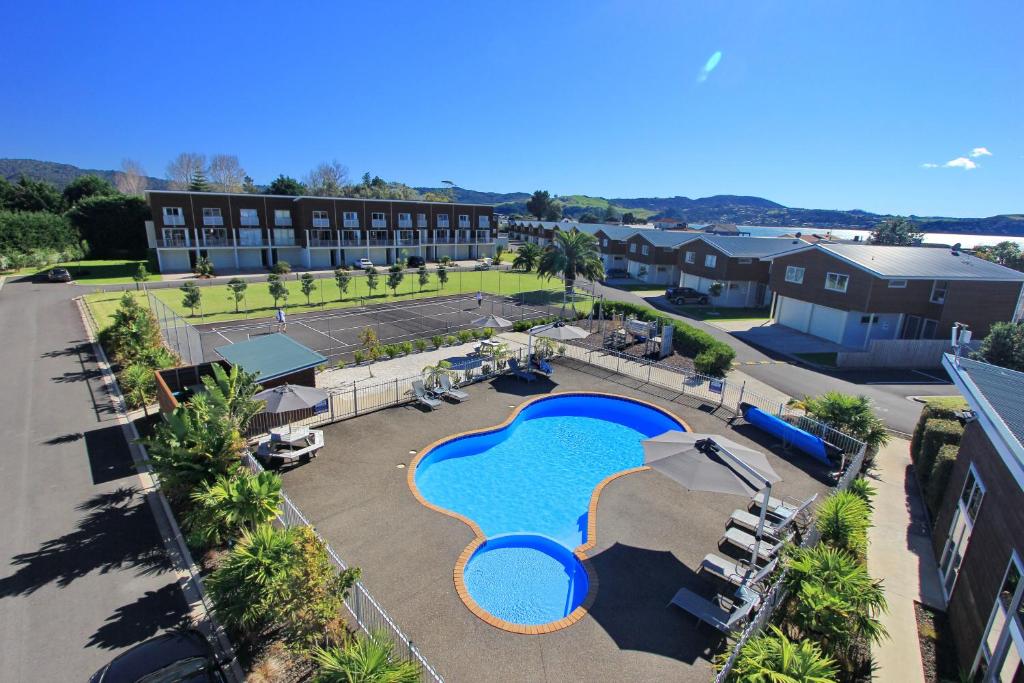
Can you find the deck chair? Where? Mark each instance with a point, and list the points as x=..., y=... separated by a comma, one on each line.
x=768, y=550
x=447, y=389
x=513, y=365
x=710, y=612
x=779, y=507
x=775, y=527
x=736, y=573
x=422, y=397
x=542, y=365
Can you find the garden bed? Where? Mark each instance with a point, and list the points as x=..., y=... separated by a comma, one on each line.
x=938, y=652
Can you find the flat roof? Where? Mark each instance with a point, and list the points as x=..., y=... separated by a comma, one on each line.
x=931, y=263
x=271, y=356
x=309, y=196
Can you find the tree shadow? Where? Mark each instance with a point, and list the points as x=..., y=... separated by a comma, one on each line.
x=109, y=457
x=70, y=437
x=78, y=376
x=153, y=612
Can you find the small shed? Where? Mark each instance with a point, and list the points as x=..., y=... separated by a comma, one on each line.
x=276, y=358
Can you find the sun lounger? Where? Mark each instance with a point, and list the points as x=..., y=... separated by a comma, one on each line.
x=777, y=526
x=513, y=365
x=714, y=613
x=779, y=507
x=736, y=573
x=542, y=365
x=766, y=552
x=450, y=391
x=423, y=397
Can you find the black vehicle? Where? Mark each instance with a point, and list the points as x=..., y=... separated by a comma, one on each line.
x=685, y=295
x=415, y=262
x=615, y=273
x=58, y=275
x=183, y=655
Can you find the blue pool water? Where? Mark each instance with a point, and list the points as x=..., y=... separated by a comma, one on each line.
x=536, y=477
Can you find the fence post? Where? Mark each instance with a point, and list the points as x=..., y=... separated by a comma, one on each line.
x=739, y=401
x=355, y=399
x=782, y=407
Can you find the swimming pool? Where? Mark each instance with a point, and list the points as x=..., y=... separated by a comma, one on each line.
x=527, y=485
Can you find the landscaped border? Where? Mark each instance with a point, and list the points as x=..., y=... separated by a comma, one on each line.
x=479, y=538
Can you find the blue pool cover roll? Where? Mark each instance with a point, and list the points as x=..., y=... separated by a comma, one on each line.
x=791, y=436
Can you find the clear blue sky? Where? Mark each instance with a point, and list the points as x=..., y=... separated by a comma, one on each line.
x=835, y=104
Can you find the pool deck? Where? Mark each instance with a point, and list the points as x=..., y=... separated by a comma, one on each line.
x=651, y=537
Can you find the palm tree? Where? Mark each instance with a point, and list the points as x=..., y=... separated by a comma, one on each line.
x=774, y=658
x=849, y=414
x=232, y=392
x=231, y=505
x=432, y=374
x=572, y=254
x=843, y=521
x=527, y=257
x=364, y=659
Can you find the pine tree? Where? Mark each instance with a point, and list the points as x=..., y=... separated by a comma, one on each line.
x=199, y=183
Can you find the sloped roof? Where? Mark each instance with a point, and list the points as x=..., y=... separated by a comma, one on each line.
x=753, y=247
x=1002, y=389
x=667, y=238
x=272, y=355
x=924, y=263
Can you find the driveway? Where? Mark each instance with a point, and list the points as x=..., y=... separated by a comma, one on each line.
x=83, y=574
x=787, y=341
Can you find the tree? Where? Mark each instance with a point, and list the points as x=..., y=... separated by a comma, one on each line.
x=204, y=267
x=442, y=276
x=573, y=253
x=231, y=393
x=424, y=277
x=192, y=296
x=368, y=338
x=896, y=231
x=226, y=173
x=183, y=169
x=24, y=231
x=843, y=521
x=628, y=218
x=1004, y=346
x=499, y=252
x=395, y=276
x=364, y=659
x=199, y=182
x=286, y=185
x=773, y=658
x=307, y=283
x=527, y=257
x=112, y=225
x=86, y=186
x=588, y=217
x=281, y=268
x=1005, y=253
x=249, y=186
x=611, y=215
x=131, y=179
x=328, y=179
x=237, y=287
x=32, y=195
x=139, y=384
x=851, y=415
x=342, y=278
x=538, y=203
x=140, y=276
x=230, y=505
x=276, y=288
x=553, y=212
x=371, y=279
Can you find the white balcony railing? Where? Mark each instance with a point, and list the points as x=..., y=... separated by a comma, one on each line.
x=350, y=223
x=173, y=220
x=283, y=221
x=379, y=223
x=213, y=220
x=321, y=222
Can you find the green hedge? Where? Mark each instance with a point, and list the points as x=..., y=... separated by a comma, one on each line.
x=943, y=409
x=942, y=469
x=937, y=433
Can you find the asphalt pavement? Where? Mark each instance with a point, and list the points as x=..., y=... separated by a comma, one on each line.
x=83, y=574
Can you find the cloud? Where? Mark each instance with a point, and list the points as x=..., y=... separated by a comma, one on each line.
x=980, y=152
x=960, y=162
x=709, y=66
x=929, y=165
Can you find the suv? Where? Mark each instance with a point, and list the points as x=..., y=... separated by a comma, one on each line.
x=59, y=275
x=685, y=295
x=415, y=262
x=364, y=263
x=173, y=657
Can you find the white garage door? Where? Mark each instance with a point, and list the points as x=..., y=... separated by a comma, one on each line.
x=690, y=280
x=828, y=323
x=794, y=313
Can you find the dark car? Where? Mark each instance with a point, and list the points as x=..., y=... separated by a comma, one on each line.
x=416, y=262
x=615, y=273
x=58, y=275
x=685, y=295
x=183, y=655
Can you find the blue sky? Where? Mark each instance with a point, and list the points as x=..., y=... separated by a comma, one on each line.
x=835, y=104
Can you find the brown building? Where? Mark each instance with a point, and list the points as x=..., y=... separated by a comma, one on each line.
x=979, y=530
x=740, y=264
x=652, y=256
x=254, y=231
x=853, y=293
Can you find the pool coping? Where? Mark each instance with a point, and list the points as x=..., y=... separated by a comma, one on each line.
x=479, y=538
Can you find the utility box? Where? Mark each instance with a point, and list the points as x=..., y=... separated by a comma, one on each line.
x=666, y=341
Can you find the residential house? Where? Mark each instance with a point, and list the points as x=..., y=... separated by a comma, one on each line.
x=670, y=224
x=612, y=241
x=652, y=255
x=979, y=528
x=851, y=294
x=740, y=264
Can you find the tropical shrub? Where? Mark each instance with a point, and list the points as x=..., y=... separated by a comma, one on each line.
x=773, y=658
x=226, y=507
x=364, y=659
x=450, y=340
x=437, y=340
x=849, y=414
x=406, y=347
x=464, y=336
x=432, y=374
x=358, y=356
x=488, y=332
x=391, y=350
x=477, y=334
x=937, y=433
x=138, y=384
x=938, y=480
x=843, y=520
x=421, y=345
x=231, y=393
x=865, y=490
x=204, y=267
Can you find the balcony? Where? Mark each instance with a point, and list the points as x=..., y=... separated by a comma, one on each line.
x=174, y=220
x=407, y=242
x=173, y=243
x=213, y=220
x=283, y=221
x=321, y=222
x=484, y=236
x=318, y=242
x=405, y=224
x=218, y=242
x=379, y=223
x=351, y=242
x=284, y=242
x=350, y=223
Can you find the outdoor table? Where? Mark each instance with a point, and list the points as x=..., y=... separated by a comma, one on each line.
x=288, y=435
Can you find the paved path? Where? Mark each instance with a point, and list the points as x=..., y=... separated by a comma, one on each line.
x=82, y=570
x=901, y=554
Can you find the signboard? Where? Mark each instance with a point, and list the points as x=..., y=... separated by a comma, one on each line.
x=321, y=407
x=716, y=386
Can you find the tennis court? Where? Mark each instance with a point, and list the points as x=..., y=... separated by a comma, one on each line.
x=335, y=334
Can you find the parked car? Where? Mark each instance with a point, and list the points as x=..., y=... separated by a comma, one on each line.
x=685, y=295
x=415, y=262
x=184, y=655
x=364, y=263
x=484, y=264
x=59, y=275
x=615, y=273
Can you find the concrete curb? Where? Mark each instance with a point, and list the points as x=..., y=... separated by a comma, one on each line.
x=3, y=279
x=170, y=533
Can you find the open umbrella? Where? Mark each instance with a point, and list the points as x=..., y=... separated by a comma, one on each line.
x=289, y=397
x=491, y=321
x=707, y=462
x=561, y=332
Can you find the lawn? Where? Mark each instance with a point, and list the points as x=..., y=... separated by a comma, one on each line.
x=95, y=272
x=217, y=303
x=723, y=313
x=103, y=305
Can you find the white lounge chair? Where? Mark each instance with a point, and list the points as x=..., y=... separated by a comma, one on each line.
x=776, y=526
x=423, y=396
x=450, y=391
x=780, y=507
x=716, y=613
x=736, y=573
x=766, y=552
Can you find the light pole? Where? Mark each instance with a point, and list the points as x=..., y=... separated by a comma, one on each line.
x=720, y=451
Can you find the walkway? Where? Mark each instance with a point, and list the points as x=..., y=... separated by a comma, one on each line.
x=82, y=570
x=901, y=555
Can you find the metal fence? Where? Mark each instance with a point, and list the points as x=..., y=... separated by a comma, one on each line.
x=178, y=335
x=366, y=611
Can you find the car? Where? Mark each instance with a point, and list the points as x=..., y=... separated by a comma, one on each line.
x=483, y=265
x=364, y=263
x=615, y=273
x=685, y=295
x=58, y=275
x=415, y=262
x=181, y=655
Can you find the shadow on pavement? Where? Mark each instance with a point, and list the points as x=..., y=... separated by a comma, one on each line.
x=137, y=621
x=109, y=457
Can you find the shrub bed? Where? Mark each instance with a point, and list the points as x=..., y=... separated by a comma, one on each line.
x=936, y=434
x=942, y=469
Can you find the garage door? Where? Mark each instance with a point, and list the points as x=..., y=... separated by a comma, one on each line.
x=794, y=313
x=690, y=280
x=828, y=323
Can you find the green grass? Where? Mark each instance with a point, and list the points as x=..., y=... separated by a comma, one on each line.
x=826, y=359
x=947, y=402
x=600, y=205
x=103, y=305
x=723, y=313
x=218, y=305
x=95, y=272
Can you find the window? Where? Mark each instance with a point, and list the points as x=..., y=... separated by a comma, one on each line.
x=320, y=219
x=250, y=237
x=249, y=216
x=960, y=530
x=691, y=256
x=744, y=261
x=350, y=219
x=421, y=220
x=661, y=269
x=378, y=220
x=483, y=221
x=868, y=319
x=463, y=220
x=837, y=282
x=604, y=242
x=282, y=217
x=897, y=284
x=710, y=261
x=939, y=292
x=211, y=213
x=632, y=247
x=284, y=237
x=442, y=220
x=173, y=215
x=211, y=216
x=795, y=274
x=645, y=250
x=998, y=647
x=405, y=220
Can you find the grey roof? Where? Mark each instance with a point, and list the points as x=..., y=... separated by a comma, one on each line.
x=667, y=238
x=753, y=247
x=925, y=263
x=1002, y=389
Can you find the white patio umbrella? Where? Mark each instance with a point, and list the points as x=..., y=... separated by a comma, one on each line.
x=557, y=331
x=492, y=321
x=707, y=462
x=289, y=397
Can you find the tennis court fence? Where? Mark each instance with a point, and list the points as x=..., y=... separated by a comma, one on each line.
x=179, y=336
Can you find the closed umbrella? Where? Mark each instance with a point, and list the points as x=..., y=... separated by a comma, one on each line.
x=491, y=321
x=289, y=397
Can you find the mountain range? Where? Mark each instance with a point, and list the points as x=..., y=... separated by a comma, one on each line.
x=742, y=210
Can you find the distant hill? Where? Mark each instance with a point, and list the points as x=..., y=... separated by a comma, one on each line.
x=742, y=210
x=61, y=174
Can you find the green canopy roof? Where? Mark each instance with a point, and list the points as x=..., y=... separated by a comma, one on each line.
x=271, y=356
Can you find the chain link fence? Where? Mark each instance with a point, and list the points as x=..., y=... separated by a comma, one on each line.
x=179, y=336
